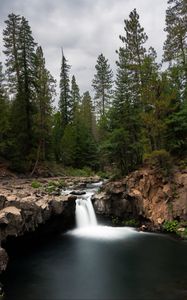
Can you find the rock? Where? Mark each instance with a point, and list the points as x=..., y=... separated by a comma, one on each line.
x=160, y=221
x=182, y=229
x=2, y=201
x=143, y=228
x=144, y=194
x=3, y=260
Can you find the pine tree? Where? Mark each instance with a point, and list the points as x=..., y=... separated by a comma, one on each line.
x=11, y=38
x=75, y=97
x=86, y=110
x=4, y=116
x=65, y=104
x=102, y=84
x=134, y=40
x=124, y=145
x=175, y=46
x=45, y=90
x=20, y=58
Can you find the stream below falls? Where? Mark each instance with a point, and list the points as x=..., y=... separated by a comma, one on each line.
x=95, y=261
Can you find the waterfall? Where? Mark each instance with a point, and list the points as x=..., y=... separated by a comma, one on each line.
x=85, y=215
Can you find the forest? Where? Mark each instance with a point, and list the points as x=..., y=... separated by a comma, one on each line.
x=137, y=115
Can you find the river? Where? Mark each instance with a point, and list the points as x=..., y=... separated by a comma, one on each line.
x=100, y=262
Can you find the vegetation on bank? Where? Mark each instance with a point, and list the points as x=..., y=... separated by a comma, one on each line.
x=138, y=115
x=174, y=226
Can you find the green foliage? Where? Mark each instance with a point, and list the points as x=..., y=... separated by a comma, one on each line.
x=65, y=103
x=130, y=222
x=102, y=84
x=171, y=226
x=36, y=184
x=159, y=159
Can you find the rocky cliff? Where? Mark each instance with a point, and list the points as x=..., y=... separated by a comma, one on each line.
x=146, y=195
x=24, y=209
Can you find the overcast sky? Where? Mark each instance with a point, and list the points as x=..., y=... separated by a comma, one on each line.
x=85, y=28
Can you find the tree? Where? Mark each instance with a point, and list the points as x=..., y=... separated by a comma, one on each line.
x=102, y=84
x=124, y=145
x=75, y=96
x=4, y=116
x=45, y=91
x=20, y=58
x=175, y=46
x=65, y=103
x=134, y=51
x=78, y=147
x=11, y=38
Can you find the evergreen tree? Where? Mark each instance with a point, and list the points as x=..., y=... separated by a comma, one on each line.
x=86, y=111
x=124, y=145
x=65, y=103
x=45, y=90
x=134, y=40
x=102, y=84
x=20, y=58
x=175, y=46
x=4, y=117
x=78, y=148
x=11, y=38
x=75, y=96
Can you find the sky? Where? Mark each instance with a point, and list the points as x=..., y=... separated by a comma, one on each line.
x=85, y=29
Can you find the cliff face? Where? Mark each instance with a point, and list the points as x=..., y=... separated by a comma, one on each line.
x=145, y=194
x=24, y=210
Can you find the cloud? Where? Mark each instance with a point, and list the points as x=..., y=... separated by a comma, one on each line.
x=85, y=28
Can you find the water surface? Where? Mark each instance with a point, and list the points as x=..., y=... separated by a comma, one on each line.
x=101, y=263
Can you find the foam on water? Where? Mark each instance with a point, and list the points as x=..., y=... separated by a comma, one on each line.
x=103, y=232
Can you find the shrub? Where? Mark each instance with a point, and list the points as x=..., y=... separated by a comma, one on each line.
x=130, y=222
x=171, y=226
x=35, y=184
x=159, y=159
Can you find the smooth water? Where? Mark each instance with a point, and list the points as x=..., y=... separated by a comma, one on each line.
x=100, y=262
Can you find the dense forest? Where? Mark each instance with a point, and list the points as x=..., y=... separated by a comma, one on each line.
x=136, y=115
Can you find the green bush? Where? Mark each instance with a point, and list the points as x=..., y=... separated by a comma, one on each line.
x=171, y=226
x=159, y=159
x=35, y=184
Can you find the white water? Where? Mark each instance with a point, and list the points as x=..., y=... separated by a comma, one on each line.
x=85, y=215
x=86, y=221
